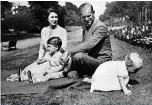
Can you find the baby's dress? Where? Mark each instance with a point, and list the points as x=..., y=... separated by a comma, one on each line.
x=106, y=75
x=39, y=70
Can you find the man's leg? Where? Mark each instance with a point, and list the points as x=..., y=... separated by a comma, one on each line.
x=84, y=64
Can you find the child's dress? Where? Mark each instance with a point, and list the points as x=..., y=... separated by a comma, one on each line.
x=106, y=75
x=39, y=70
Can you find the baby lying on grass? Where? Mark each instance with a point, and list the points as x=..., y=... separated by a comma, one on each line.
x=113, y=75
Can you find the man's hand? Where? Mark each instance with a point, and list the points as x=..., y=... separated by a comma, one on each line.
x=63, y=58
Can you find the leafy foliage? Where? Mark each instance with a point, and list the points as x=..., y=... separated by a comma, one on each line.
x=39, y=14
x=72, y=16
x=5, y=6
x=19, y=21
x=34, y=17
x=130, y=9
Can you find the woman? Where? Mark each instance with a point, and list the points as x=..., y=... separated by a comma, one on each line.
x=53, y=30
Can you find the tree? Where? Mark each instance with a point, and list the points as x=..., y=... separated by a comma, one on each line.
x=135, y=10
x=19, y=21
x=72, y=16
x=39, y=13
x=5, y=6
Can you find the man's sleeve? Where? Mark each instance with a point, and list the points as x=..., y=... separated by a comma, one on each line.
x=98, y=34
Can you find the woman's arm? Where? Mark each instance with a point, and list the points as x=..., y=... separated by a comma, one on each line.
x=123, y=86
x=42, y=48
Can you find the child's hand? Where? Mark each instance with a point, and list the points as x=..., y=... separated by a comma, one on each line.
x=128, y=92
x=45, y=73
x=129, y=85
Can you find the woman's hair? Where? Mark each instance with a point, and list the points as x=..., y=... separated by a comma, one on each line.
x=52, y=10
x=55, y=41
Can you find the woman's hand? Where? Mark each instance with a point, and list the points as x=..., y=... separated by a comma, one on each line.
x=128, y=92
x=40, y=61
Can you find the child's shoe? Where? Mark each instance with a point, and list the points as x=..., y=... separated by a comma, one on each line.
x=29, y=74
x=19, y=75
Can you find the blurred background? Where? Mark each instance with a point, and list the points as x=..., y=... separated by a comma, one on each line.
x=126, y=20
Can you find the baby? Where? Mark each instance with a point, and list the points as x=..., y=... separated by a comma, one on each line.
x=52, y=69
x=113, y=75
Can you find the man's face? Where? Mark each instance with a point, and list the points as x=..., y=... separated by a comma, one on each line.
x=53, y=18
x=87, y=16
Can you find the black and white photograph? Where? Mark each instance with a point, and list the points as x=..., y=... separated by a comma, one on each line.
x=76, y=52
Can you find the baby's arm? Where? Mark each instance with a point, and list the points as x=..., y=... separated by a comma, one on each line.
x=123, y=86
x=48, y=77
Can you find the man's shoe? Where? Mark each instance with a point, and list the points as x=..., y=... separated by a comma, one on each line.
x=65, y=74
x=73, y=75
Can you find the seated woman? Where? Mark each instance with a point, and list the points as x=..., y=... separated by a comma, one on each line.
x=53, y=30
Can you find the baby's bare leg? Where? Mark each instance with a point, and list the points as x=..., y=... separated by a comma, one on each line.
x=49, y=76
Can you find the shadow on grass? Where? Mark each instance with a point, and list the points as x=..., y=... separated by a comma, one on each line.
x=133, y=82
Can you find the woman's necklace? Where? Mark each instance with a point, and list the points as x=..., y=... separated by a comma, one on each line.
x=50, y=31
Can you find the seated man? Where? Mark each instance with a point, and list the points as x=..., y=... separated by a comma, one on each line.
x=95, y=48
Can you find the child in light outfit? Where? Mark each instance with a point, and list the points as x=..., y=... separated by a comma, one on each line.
x=47, y=68
x=113, y=75
x=53, y=69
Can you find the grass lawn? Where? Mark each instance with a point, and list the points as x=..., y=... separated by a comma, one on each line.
x=142, y=91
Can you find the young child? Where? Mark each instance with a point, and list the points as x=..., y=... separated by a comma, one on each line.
x=47, y=68
x=113, y=75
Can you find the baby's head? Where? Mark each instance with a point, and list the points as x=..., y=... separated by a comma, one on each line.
x=133, y=62
x=54, y=44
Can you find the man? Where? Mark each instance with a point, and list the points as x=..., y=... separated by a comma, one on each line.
x=95, y=47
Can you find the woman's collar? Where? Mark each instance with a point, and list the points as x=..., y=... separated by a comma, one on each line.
x=54, y=27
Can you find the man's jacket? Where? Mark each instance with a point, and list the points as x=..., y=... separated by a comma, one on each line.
x=96, y=42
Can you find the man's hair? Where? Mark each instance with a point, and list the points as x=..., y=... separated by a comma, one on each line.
x=55, y=41
x=84, y=6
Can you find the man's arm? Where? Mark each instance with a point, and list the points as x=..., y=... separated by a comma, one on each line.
x=98, y=34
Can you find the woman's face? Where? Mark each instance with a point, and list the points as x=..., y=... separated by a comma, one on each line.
x=53, y=18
